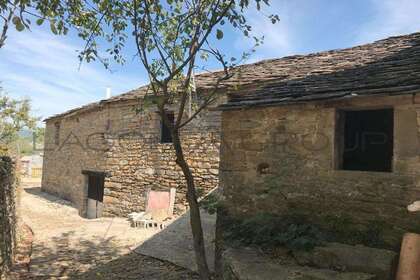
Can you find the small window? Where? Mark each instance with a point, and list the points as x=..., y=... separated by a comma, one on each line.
x=57, y=133
x=366, y=140
x=165, y=133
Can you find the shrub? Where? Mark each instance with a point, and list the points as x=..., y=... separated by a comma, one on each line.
x=267, y=230
x=297, y=233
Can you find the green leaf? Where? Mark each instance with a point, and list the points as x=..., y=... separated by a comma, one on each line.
x=20, y=27
x=18, y=23
x=219, y=34
x=40, y=21
x=16, y=20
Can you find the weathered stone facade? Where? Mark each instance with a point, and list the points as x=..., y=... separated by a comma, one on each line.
x=283, y=160
x=279, y=141
x=125, y=144
x=8, y=219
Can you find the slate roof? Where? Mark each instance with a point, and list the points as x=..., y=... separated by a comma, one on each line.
x=390, y=66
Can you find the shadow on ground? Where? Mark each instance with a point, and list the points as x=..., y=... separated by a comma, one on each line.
x=68, y=247
x=70, y=254
x=175, y=243
x=137, y=266
x=169, y=254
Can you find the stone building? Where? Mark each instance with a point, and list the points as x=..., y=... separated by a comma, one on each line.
x=333, y=136
x=113, y=153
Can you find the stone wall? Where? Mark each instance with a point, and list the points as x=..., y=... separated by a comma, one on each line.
x=137, y=161
x=282, y=160
x=72, y=145
x=8, y=217
x=126, y=145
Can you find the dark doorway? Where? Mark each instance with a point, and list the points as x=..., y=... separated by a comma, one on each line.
x=165, y=135
x=96, y=187
x=368, y=140
x=95, y=196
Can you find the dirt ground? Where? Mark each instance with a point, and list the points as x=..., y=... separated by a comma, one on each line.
x=66, y=246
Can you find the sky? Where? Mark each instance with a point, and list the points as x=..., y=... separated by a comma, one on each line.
x=45, y=67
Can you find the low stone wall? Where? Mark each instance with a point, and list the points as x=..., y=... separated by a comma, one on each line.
x=7, y=213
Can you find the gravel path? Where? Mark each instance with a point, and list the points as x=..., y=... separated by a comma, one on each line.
x=67, y=246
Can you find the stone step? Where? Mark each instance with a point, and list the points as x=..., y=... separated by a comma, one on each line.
x=342, y=257
x=248, y=264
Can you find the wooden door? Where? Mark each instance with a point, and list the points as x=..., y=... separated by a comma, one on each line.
x=95, y=196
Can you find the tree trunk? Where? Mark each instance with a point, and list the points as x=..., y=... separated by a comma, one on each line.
x=195, y=218
x=219, y=244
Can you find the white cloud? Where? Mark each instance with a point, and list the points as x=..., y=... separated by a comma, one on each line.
x=390, y=18
x=278, y=38
x=45, y=68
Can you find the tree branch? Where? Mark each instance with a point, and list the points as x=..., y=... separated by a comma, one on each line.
x=89, y=40
x=214, y=21
x=147, y=12
x=3, y=36
x=187, y=81
x=141, y=48
x=208, y=100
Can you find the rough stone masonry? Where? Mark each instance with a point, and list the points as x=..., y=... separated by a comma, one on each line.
x=284, y=146
x=113, y=138
x=8, y=218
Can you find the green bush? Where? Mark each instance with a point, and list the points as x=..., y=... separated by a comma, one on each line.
x=342, y=229
x=211, y=202
x=297, y=233
x=266, y=230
